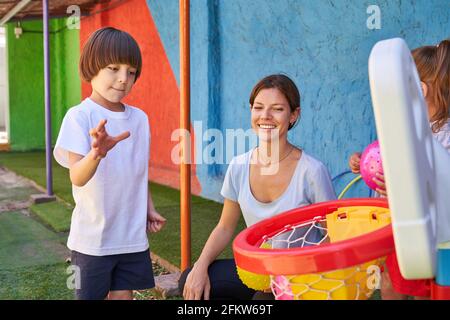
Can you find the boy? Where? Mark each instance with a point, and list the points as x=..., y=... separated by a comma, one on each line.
x=105, y=144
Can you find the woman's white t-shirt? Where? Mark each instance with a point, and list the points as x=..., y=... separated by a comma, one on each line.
x=110, y=214
x=310, y=183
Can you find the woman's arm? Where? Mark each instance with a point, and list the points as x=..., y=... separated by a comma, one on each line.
x=197, y=282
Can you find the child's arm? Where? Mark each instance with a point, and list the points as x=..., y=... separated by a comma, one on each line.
x=353, y=162
x=83, y=168
x=155, y=221
x=379, y=180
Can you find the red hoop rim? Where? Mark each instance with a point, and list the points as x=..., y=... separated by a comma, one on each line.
x=321, y=258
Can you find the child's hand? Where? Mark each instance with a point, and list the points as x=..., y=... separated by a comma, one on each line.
x=379, y=180
x=155, y=221
x=353, y=162
x=102, y=142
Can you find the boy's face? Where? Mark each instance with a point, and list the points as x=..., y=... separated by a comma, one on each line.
x=113, y=83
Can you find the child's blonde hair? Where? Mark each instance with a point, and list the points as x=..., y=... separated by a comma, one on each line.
x=109, y=46
x=433, y=65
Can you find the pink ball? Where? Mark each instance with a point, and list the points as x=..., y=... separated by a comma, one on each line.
x=282, y=288
x=370, y=164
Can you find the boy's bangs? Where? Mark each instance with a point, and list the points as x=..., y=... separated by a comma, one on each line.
x=120, y=48
x=109, y=46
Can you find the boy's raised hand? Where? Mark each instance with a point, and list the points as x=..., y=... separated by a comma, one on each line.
x=102, y=142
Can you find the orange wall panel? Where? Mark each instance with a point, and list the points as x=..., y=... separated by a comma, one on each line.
x=156, y=91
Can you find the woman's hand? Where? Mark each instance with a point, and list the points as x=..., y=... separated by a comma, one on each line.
x=197, y=284
x=353, y=162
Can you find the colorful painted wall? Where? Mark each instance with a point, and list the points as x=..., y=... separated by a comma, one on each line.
x=26, y=80
x=156, y=91
x=323, y=45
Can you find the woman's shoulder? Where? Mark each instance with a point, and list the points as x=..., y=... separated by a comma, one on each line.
x=242, y=159
x=311, y=163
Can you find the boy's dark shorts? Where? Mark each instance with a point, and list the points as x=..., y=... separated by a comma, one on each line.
x=101, y=274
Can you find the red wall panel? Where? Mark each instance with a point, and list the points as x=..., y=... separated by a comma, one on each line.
x=156, y=91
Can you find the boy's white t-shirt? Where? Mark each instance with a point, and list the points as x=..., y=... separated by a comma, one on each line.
x=110, y=215
x=310, y=183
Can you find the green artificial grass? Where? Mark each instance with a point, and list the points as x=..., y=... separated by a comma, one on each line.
x=55, y=214
x=46, y=282
x=32, y=166
x=204, y=217
x=15, y=194
x=25, y=242
x=204, y=213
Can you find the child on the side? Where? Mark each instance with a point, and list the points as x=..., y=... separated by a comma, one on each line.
x=433, y=66
x=105, y=144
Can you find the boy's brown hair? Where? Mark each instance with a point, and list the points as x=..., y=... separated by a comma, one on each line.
x=109, y=46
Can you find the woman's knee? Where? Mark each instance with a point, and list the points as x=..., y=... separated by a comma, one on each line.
x=182, y=279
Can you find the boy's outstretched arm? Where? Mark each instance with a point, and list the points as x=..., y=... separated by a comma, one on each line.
x=83, y=168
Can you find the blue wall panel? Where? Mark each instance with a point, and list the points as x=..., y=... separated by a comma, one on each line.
x=323, y=45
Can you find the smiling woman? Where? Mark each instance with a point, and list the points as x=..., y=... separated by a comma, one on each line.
x=275, y=109
x=270, y=179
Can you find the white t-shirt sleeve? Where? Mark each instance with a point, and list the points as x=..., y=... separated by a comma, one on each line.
x=73, y=136
x=320, y=185
x=230, y=188
x=444, y=138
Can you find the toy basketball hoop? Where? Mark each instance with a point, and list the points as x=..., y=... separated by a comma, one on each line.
x=316, y=252
x=330, y=250
x=415, y=167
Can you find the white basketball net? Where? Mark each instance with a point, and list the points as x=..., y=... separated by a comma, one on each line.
x=356, y=282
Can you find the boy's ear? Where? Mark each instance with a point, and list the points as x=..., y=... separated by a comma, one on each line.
x=424, y=88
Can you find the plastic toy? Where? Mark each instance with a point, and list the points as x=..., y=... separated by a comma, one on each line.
x=371, y=164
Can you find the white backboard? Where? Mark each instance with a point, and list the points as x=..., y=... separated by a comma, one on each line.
x=416, y=166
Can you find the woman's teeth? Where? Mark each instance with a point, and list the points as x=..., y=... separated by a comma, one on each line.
x=265, y=126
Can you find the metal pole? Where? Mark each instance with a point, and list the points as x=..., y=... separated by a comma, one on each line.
x=185, y=167
x=48, y=122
